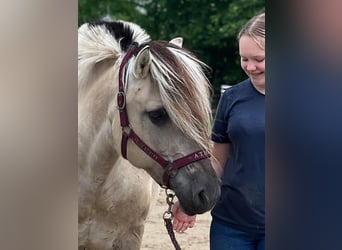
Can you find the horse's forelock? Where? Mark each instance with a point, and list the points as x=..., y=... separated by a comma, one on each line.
x=184, y=89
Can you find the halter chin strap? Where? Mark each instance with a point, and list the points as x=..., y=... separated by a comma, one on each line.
x=168, y=166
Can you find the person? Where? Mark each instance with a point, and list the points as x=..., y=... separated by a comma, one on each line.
x=238, y=157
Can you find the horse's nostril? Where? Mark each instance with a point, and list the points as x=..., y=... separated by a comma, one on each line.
x=202, y=198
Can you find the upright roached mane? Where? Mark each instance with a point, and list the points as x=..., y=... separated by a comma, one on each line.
x=185, y=98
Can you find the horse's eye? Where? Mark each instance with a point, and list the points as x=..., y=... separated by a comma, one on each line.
x=158, y=116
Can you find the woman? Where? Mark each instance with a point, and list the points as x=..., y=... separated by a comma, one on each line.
x=238, y=218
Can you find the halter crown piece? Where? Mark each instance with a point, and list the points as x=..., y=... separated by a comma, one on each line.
x=168, y=166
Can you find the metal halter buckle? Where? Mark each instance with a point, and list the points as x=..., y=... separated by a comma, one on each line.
x=121, y=100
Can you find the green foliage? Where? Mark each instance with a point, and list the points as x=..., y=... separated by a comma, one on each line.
x=92, y=10
x=209, y=28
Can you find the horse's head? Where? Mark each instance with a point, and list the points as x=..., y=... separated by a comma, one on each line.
x=167, y=102
x=162, y=109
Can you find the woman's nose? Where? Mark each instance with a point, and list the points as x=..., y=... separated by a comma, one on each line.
x=250, y=66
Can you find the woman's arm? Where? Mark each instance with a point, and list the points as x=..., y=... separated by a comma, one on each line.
x=220, y=155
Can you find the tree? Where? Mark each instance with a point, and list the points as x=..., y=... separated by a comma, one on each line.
x=92, y=10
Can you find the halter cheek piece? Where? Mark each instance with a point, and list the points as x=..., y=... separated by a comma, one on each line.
x=168, y=166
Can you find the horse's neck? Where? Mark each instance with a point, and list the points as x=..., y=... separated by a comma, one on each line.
x=92, y=74
x=102, y=155
x=96, y=151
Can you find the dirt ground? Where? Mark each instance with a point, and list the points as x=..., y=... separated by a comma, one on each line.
x=157, y=238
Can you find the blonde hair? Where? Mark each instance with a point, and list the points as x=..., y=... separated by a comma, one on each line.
x=255, y=28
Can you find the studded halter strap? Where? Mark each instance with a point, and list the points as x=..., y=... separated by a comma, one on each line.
x=168, y=166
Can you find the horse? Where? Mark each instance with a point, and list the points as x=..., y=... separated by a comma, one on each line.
x=144, y=119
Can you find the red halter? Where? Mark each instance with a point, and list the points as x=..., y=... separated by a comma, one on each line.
x=167, y=165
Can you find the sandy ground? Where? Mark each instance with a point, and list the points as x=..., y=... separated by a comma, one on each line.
x=156, y=236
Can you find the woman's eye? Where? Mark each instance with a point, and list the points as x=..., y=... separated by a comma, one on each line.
x=260, y=59
x=158, y=117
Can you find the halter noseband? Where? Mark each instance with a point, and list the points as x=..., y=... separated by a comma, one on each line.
x=168, y=166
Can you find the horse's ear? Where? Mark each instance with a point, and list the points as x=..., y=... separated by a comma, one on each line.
x=177, y=41
x=142, y=63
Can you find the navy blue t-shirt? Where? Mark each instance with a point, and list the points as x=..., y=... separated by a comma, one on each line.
x=240, y=120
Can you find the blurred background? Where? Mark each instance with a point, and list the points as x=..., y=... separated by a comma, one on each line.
x=209, y=28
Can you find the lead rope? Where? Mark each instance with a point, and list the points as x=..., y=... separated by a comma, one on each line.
x=167, y=216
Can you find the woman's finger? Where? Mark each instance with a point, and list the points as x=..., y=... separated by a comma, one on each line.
x=184, y=227
x=178, y=226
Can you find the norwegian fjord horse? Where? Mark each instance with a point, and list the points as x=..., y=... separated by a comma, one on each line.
x=143, y=111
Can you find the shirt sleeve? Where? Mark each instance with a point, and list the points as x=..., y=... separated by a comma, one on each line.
x=220, y=128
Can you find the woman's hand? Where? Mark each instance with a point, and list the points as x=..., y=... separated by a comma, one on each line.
x=181, y=221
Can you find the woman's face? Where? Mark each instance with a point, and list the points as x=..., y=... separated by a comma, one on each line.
x=253, y=61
